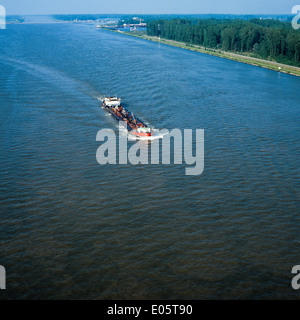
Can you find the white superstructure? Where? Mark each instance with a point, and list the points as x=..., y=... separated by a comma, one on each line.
x=112, y=101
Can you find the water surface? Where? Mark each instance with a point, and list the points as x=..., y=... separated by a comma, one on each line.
x=71, y=228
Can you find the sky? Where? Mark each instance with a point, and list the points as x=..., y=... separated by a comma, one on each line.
x=24, y=7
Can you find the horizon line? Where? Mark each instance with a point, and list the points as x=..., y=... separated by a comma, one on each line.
x=145, y=14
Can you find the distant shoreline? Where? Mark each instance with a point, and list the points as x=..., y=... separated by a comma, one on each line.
x=266, y=64
x=37, y=22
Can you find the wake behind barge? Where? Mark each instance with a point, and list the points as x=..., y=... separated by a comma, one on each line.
x=134, y=125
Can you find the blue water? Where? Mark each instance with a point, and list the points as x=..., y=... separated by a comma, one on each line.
x=71, y=228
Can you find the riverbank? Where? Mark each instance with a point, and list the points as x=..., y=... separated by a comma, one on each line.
x=275, y=66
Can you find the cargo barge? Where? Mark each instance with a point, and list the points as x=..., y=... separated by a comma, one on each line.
x=134, y=125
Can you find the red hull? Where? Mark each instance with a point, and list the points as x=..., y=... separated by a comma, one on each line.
x=141, y=134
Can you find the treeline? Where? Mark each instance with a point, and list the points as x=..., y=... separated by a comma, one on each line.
x=264, y=38
x=84, y=17
x=14, y=19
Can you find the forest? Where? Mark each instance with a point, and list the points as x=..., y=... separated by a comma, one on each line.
x=268, y=39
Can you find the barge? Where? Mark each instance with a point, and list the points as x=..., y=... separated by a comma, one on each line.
x=134, y=125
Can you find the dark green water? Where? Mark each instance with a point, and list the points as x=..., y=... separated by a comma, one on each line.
x=70, y=228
